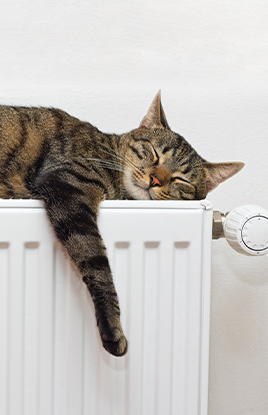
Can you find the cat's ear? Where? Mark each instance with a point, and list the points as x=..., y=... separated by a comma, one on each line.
x=155, y=116
x=219, y=172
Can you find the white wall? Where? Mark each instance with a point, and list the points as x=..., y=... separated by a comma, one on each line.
x=104, y=61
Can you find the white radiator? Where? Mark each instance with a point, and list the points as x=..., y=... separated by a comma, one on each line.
x=51, y=358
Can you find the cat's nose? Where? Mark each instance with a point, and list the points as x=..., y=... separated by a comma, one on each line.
x=154, y=181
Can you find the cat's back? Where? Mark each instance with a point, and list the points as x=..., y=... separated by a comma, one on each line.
x=25, y=130
x=33, y=124
x=26, y=134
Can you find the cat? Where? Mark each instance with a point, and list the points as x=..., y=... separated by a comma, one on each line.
x=72, y=166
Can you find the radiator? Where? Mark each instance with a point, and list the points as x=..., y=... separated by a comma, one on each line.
x=51, y=358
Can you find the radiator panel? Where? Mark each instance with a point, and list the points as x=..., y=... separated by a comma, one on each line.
x=51, y=359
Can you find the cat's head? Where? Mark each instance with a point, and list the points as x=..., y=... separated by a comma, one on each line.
x=162, y=165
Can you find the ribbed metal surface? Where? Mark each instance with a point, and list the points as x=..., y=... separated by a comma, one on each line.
x=51, y=359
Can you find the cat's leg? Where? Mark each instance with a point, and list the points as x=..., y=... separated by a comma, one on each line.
x=73, y=215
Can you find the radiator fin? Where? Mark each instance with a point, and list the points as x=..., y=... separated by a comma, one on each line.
x=31, y=302
x=4, y=325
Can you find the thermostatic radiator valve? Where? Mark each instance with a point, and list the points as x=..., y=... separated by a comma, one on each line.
x=245, y=229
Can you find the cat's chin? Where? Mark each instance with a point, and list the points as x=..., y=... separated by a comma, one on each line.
x=136, y=190
x=140, y=193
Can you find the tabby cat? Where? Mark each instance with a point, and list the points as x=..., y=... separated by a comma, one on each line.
x=47, y=154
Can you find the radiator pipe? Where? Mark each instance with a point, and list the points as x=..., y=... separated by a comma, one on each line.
x=217, y=225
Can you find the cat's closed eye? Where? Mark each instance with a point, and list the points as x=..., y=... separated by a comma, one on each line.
x=179, y=179
x=144, y=152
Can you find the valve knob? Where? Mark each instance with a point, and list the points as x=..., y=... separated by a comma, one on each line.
x=246, y=230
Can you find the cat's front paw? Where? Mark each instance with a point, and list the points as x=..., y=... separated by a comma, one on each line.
x=115, y=342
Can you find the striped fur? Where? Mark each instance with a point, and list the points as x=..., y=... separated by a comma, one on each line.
x=47, y=154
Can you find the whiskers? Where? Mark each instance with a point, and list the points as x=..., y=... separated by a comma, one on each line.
x=116, y=161
x=115, y=155
x=107, y=164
